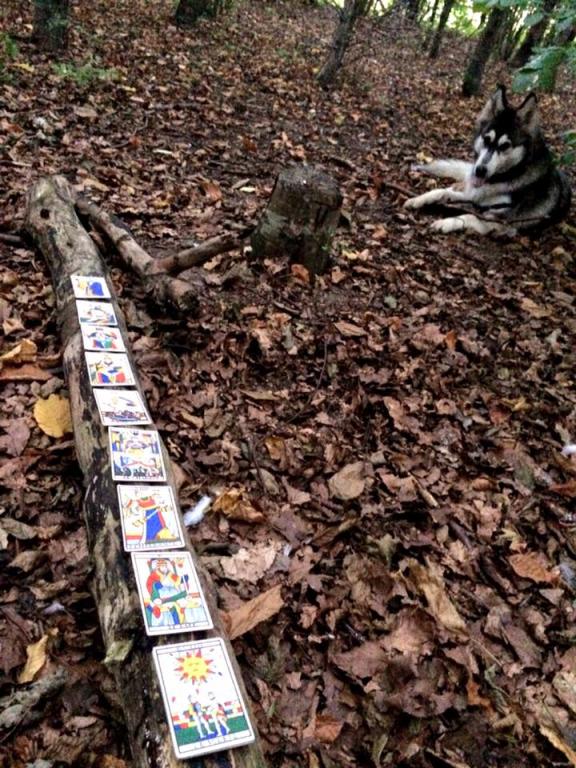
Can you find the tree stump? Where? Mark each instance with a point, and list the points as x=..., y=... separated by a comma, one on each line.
x=68, y=249
x=301, y=218
x=51, y=20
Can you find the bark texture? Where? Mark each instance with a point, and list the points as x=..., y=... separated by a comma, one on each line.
x=439, y=33
x=68, y=249
x=341, y=40
x=51, y=22
x=534, y=36
x=301, y=219
x=472, y=82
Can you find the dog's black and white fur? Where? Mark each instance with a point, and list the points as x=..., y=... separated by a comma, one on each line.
x=511, y=186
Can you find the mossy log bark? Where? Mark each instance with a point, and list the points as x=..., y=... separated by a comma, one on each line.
x=68, y=249
x=301, y=219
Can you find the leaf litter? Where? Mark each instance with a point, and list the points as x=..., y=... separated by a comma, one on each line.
x=394, y=550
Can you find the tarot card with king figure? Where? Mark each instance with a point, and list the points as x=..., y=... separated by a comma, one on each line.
x=170, y=593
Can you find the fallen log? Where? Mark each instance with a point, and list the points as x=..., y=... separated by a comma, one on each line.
x=56, y=230
x=155, y=279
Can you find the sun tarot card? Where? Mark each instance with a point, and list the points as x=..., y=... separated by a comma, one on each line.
x=149, y=517
x=136, y=455
x=121, y=407
x=109, y=369
x=170, y=593
x=89, y=287
x=96, y=312
x=202, y=699
x=101, y=338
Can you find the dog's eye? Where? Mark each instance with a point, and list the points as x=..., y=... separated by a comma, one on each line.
x=487, y=141
x=505, y=146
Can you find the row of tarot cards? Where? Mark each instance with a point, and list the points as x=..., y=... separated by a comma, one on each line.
x=201, y=696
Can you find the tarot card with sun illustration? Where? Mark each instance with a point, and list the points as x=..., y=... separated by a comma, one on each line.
x=170, y=593
x=203, y=702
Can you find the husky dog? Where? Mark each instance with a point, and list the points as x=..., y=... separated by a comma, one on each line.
x=512, y=184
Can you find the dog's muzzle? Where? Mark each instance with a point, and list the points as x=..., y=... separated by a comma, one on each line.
x=479, y=175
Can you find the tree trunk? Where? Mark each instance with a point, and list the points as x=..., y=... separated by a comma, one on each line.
x=431, y=22
x=534, y=36
x=51, y=22
x=300, y=219
x=446, y=10
x=68, y=249
x=472, y=82
x=189, y=11
x=340, y=42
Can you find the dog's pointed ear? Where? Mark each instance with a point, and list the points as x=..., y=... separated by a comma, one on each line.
x=528, y=114
x=496, y=103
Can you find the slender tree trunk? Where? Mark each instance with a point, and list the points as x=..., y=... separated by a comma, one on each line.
x=472, y=82
x=412, y=8
x=340, y=42
x=534, y=36
x=431, y=30
x=51, y=22
x=503, y=34
x=437, y=39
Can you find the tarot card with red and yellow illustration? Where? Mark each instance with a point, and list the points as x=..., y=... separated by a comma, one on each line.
x=102, y=338
x=149, y=517
x=203, y=702
x=170, y=593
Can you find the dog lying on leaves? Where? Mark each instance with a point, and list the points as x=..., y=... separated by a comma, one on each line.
x=512, y=185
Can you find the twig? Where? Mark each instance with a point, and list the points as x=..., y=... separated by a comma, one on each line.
x=9, y=239
x=192, y=257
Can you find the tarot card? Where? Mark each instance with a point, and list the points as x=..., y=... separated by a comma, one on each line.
x=149, y=517
x=109, y=369
x=136, y=455
x=102, y=338
x=89, y=287
x=202, y=699
x=170, y=593
x=96, y=312
x=121, y=407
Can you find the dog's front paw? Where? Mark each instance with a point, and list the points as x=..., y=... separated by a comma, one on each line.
x=413, y=202
x=446, y=226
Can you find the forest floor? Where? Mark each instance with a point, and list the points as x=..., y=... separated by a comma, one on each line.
x=428, y=620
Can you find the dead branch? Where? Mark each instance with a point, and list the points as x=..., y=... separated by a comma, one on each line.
x=156, y=281
x=199, y=254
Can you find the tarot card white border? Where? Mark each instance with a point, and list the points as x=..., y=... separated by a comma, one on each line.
x=87, y=327
x=78, y=291
x=120, y=357
x=101, y=394
x=156, y=545
x=184, y=753
x=141, y=480
x=81, y=303
x=198, y=626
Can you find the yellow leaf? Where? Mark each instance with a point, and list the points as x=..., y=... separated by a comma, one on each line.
x=36, y=656
x=53, y=416
x=23, y=352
